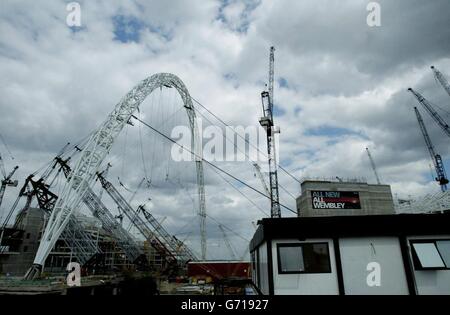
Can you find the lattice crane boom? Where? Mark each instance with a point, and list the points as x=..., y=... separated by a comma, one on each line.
x=374, y=167
x=93, y=202
x=267, y=123
x=442, y=79
x=433, y=113
x=142, y=226
x=261, y=178
x=437, y=160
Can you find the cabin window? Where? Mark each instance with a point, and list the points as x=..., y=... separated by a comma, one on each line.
x=431, y=254
x=303, y=258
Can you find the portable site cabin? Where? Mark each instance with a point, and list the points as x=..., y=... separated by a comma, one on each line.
x=370, y=254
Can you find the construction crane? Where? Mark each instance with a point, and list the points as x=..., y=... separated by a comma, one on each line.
x=374, y=168
x=227, y=242
x=267, y=123
x=261, y=178
x=429, y=108
x=6, y=181
x=442, y=80
x=75, y=237
x=437, y=160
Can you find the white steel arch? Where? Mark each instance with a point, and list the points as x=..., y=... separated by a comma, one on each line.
x=98, y=147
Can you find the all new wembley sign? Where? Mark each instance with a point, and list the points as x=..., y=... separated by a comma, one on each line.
x=335, y=200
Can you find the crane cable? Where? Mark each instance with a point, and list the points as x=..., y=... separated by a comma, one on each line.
x=6, y=146
x=244, y=195
x=209, y=163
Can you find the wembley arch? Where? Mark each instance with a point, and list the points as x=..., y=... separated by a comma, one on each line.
x=98, y=147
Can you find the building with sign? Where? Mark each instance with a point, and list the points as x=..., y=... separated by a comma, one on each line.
x=396, y=254
x=328, y=198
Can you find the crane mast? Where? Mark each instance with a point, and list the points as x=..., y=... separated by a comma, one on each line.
x=442, y=80
x=374, y=168
x=429, y=108
x=267, y=123
x=227, y=242
x=437, y=160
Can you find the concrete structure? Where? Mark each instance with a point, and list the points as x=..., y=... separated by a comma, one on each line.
x=328, y=198
x=210, y=271
x=347, y=255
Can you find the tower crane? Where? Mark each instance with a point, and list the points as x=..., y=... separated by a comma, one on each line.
x=374, y=168
x=437, y=160
x=150, y=228
x=267, y=123
x=105, y=173
x=429, y=108
x=6, y=181
x=441, y=78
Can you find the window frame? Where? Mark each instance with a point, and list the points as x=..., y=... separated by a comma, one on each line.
x=281, y=245
x=415, y=259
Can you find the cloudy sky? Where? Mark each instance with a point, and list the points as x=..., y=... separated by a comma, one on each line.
x=340, y=86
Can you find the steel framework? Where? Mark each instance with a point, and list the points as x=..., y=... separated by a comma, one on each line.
x=436, y=202
x=433, y=113
x=96, y=150
x=442, y=80
x=437, y=159
x=267, y=123
x=143, y=227
x=374, y=167
x=124, y=240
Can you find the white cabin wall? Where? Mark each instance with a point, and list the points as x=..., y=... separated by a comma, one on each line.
x=431, y=282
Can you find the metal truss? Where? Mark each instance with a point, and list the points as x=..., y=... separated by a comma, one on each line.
x=98, y=147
